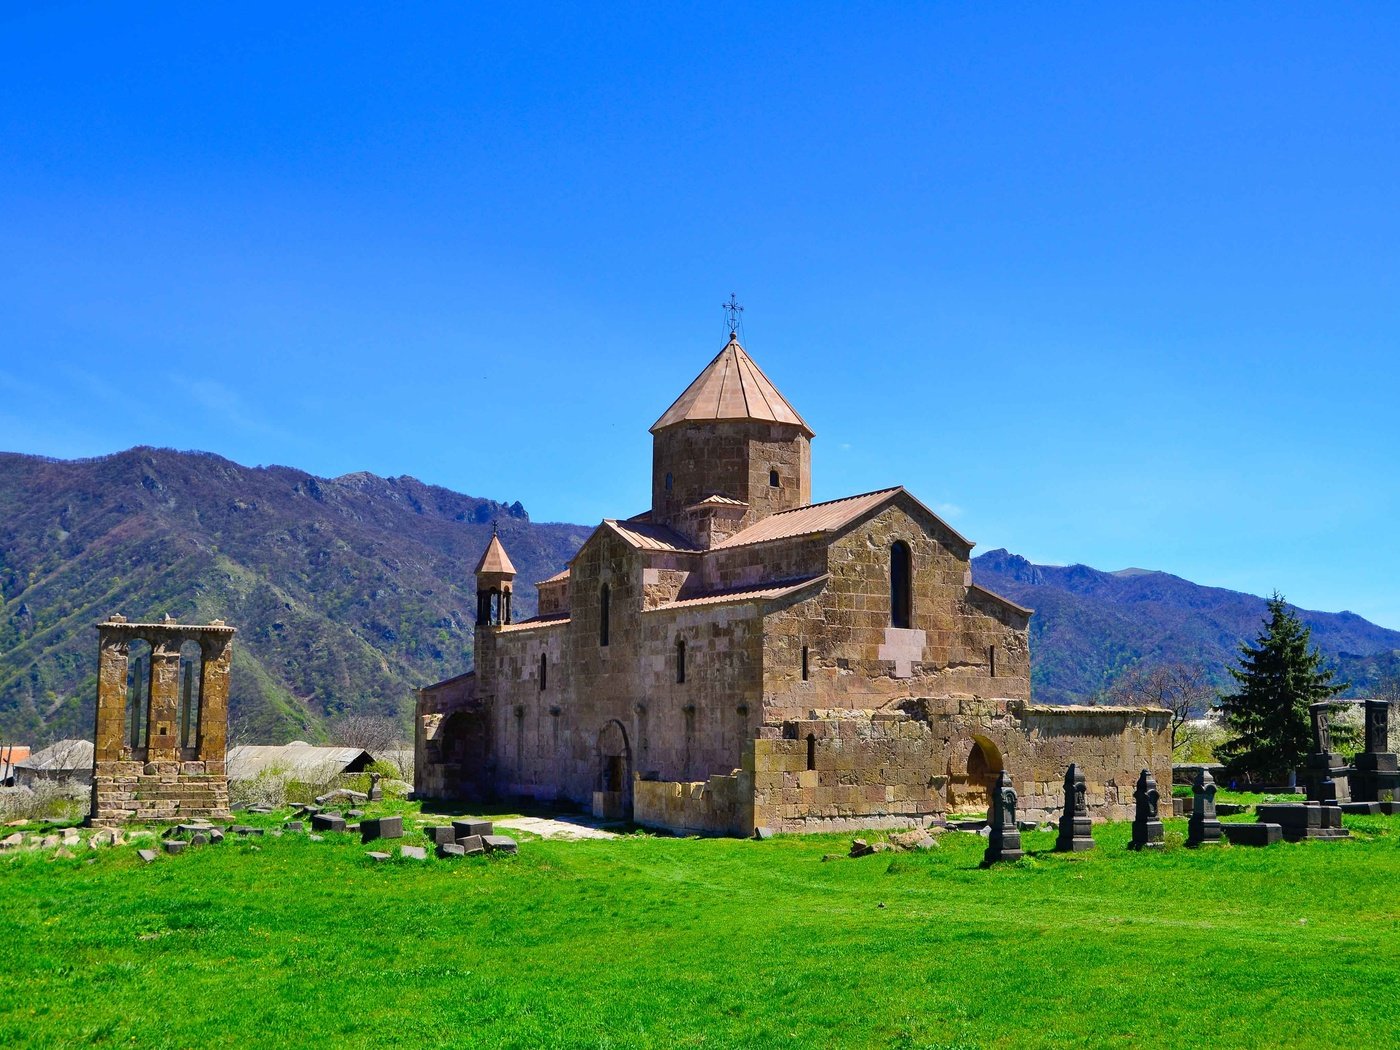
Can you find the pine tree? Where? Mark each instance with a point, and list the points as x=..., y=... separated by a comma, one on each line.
x=1278, y=676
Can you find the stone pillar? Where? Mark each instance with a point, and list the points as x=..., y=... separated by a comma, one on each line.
x=216, y=657
x=1076, y=829
x=163, y=715
x=111, y=698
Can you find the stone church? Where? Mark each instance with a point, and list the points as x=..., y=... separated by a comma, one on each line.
x=739, y=657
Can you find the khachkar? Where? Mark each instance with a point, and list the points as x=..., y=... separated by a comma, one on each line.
x=1004, y=842
x=1322, y=762
x=1076, y=829
x=1204, y=827
x=162, y=721
x=1147, y=826
x=1376, y=769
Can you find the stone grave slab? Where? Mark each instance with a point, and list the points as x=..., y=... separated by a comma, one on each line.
x=1255, y=834
x=500, y=844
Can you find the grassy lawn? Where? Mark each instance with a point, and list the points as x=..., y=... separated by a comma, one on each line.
x=643, y=941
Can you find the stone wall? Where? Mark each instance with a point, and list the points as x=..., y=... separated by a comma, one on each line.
x=961, y=640
x=721, y=805
x=841, y=770
x=451, y=742
x=556, y=742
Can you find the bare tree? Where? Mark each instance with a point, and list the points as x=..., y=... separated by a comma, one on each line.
x=368, y=732
x=1183, y=689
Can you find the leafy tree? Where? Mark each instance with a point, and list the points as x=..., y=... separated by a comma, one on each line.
x=1278, y=676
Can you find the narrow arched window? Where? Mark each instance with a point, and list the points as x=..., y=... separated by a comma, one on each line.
x=544, y=671
x=138, y=691
x=191, y=692
x=901, y=585
x=804, y=663
x=604, y=604
x=669, y=481
x=773, y=479
x=992, y=661
x=680, y=659
x=811, y=751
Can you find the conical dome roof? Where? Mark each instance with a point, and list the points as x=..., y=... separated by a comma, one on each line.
x=731, y=387
x=495, y=559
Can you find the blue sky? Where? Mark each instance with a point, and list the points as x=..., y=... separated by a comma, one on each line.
x=1104, y=284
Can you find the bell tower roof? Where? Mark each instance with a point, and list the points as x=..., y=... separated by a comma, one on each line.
x=731, y=387
x=495, y=560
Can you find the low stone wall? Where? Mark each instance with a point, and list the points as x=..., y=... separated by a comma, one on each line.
x=913, y=765
x=721, y=805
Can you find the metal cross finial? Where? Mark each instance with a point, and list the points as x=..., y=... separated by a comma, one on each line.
x=732, y=310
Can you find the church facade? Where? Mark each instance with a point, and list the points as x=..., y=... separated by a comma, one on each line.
x=738, y=657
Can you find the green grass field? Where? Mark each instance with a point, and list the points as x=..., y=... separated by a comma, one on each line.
x=644, y=941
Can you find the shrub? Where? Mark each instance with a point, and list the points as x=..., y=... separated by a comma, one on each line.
x=62, y=801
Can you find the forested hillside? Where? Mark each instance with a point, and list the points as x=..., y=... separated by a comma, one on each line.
x=348, y=593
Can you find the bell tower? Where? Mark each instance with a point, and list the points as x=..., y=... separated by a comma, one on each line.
x=495, y=579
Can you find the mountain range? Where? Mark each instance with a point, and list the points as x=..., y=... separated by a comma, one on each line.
x=350, y=592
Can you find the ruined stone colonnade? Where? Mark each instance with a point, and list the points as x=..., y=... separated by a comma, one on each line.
x=162, y=721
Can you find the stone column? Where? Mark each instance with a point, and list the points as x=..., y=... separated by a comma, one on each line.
x=111, y=696
x=216, y=653
x=164, y=711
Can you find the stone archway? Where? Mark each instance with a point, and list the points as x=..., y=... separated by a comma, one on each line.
x=462, y=753
x=612, y=791
x=972, y=770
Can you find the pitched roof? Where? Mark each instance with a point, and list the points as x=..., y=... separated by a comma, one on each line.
x=731, y=387
x=778, y=589
x=819, y=518
x=649, y=537
x=66, y=754
x=994, y=596
x=807, y=521
x=298, y=758
x=495, y=559
x=551, y=620
x=558, y=577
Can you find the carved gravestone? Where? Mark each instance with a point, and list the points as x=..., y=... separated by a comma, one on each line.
x=1147, y=827
x=1322, y=762
x=1076, y=829
x=1376, y=769
x=376, y=793
x=1204, y=828
x=1004, y=840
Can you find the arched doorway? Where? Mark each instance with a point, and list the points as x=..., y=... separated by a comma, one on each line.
x=462, y=753
x=972, y=770
x=612, y=792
